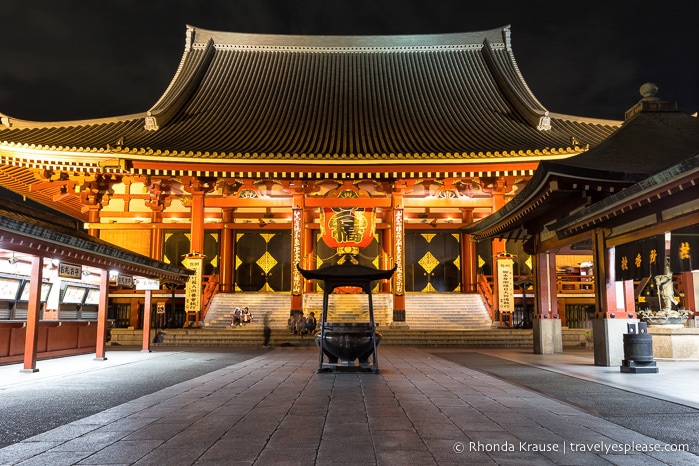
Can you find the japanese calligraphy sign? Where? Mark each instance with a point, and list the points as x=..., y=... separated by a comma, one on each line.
x=506, y=284
x=192, y=298
x=70, y=271
x=143, y=284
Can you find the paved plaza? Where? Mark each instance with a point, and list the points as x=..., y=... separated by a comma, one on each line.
x=426, y=406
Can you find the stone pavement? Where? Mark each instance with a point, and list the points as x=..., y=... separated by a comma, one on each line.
x=421, y=409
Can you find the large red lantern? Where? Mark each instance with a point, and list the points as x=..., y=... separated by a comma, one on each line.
x=347, y=229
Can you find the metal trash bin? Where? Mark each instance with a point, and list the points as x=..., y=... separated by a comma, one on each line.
x=638, y=350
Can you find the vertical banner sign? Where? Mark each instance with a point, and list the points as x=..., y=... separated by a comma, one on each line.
x=296, y=233
x=192, y=299
x=506, y=285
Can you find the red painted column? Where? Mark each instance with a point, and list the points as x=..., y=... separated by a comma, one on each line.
x=34, y=308
x=226, y=259
x=197, y=226
x=93, y=216
x=102, y=316
x=198, y=188
x=156, y=242
x=497, y=245
x=147, y=321
x=469, y=259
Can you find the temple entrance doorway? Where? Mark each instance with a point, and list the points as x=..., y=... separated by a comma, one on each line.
x=432, y=261
x=263, y=261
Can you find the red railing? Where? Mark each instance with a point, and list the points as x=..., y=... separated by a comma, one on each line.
x=578, y=284
x=485, y=289
x=210, y=290
x=566, y=284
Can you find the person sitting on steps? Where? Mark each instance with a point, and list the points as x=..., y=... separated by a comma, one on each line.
x=311, y=323
x=247, y=316
x=237, y=317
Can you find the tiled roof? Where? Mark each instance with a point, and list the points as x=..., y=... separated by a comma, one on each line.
x=257, y=98
x=649, y=149
x=32, y=231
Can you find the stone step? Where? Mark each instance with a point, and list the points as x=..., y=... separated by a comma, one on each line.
x=252, y=336
x=423, y=310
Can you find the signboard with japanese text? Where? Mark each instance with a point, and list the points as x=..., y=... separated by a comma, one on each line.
x=506, y=286
x=192, y=298
x=143, y=284
x=70, y=271
x=124, y=280
x=647, y=257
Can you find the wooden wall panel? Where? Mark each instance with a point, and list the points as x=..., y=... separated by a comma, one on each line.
x=133, y=240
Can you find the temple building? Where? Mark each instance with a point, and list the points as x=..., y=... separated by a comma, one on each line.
x=633, y=201
x=270, y=151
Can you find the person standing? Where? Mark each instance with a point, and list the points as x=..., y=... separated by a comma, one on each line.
x=266, y=332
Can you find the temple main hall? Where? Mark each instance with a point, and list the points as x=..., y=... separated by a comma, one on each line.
x=270, y=151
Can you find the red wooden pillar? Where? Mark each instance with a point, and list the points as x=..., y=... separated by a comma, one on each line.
x=102, y=316
x=33, y=310
x=156, y=242
x=469, y=258
x=226, y=259
x=197, y=226
x=93, y=216
x=309, y=248
x=147, y=321
x=497, y=245
x=197, y=188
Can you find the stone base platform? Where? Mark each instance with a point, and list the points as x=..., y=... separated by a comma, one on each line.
x=675, y=343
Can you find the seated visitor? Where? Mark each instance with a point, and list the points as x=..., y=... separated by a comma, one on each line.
x=292, y=322
x=301, y=325
x=311, y=323
x=237, y=317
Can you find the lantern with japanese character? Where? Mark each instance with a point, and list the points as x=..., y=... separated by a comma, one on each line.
x=347, y=229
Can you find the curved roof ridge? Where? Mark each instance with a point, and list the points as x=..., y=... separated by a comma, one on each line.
x=515, y=89
x=16, y=123
x=188, y=76
x=583, y=119
x=351, y=43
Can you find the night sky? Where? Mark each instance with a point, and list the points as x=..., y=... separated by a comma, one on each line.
x=76, y=59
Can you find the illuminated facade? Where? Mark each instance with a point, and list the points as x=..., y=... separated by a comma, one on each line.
x=262, y=141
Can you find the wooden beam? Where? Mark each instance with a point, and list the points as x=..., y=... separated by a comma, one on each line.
x=657, y=229
x=349, y=202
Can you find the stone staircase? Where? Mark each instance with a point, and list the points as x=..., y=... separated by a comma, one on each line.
x=251, y=336
x=439, y=319
x=274, y=306
x=453, y=311
x=437, y=311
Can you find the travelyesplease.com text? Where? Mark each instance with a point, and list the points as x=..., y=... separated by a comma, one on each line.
x=568, y=447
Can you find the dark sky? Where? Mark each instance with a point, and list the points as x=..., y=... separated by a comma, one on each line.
x=75, y=59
